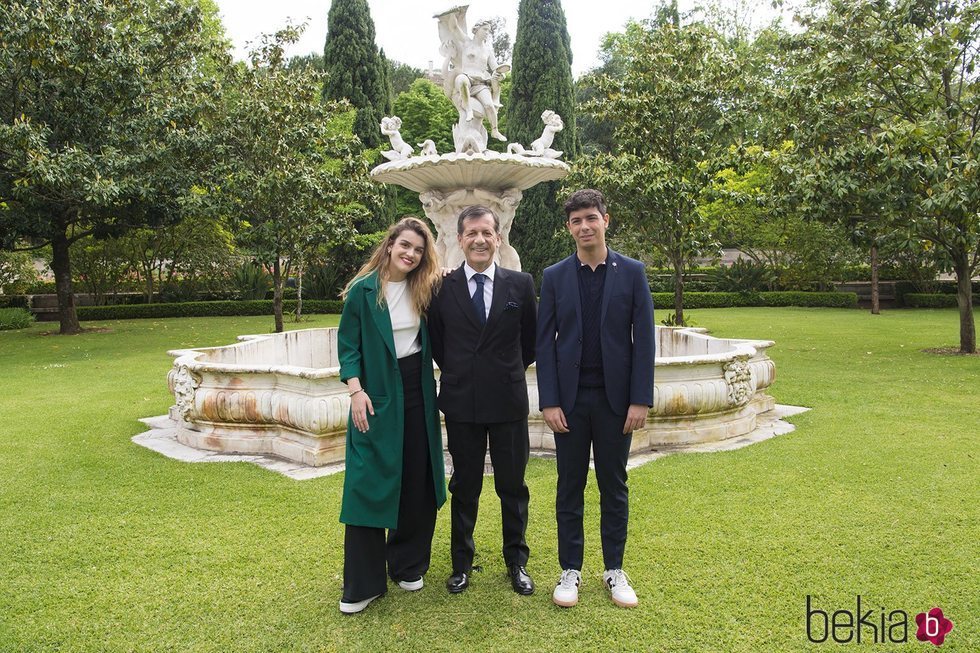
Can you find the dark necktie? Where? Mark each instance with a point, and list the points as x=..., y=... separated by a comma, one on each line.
x=478, y=303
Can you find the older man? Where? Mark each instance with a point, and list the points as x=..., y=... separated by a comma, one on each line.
x=482, y=325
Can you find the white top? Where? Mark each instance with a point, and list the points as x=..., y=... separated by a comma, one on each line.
x=404, y=320
x=487, y=283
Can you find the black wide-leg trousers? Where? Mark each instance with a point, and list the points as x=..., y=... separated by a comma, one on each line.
x=407, y=550
x=509, y=450
x=592, y=425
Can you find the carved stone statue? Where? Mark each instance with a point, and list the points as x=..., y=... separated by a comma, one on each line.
x=391, y=127
x=428, y=148
x=471, y=79
x=443, y=209
x=542, y=146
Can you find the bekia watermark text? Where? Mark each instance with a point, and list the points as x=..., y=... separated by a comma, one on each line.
x=873, y=626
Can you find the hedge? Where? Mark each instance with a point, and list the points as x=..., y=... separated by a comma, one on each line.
x=934, y=300
x=903, y=288
x=14, y=301
x=15, y=318
x=204, y=309
x=694, y=300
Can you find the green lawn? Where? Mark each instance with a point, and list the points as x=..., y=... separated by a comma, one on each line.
x=106, y=546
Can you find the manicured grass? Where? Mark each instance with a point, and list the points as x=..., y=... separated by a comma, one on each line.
x=105, y=545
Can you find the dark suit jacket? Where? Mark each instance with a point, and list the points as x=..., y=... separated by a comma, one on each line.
x=626, y=334
x=483, y=368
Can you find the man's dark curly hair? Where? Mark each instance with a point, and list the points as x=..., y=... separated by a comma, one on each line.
x=587, y=198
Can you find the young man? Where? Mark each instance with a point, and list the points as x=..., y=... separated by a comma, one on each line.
x=482, y=325
x=595, y=354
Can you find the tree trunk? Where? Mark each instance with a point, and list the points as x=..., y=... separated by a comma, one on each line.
x=277, y=283
x=875, y=301
x=61, y=266
x=964, y=298
x=299, y=291
x=678, y=292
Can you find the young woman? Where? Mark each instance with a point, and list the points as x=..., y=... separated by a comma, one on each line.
x=395, y=478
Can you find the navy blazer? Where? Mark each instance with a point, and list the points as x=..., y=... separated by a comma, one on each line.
x=626, y=334
x=483, y=368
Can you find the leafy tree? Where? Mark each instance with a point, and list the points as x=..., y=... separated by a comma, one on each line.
x=294, y=175
x=200, y=247
x=311, y=60
x=915, y=65
x=426, y=113
x=355, y=70
x=675, y=106
x=99, y=266
x=750, y=206
x=838, y=169
x=402, y=76
x=16, y=271
x=542, y=79
x=500, y=39
x=103, y=121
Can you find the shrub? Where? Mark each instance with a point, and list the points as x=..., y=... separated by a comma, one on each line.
x=15, y=318
x=252, y=281
x=324, y=282
x=203, y=309
x=783, y=298
x=13, y=301
x=41, y=288
x=934, y=300
x=743, y=275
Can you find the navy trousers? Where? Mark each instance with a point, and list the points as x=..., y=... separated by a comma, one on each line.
x=592, y=426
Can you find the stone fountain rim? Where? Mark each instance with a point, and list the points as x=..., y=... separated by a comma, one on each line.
x=189, y=357
x=430, y=160
x=487, y=170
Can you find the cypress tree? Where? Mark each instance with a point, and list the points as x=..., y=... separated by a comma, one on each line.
x=542, y=79
x=355, y=70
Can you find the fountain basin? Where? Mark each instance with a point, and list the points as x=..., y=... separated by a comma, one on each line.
x=281, y=394
x=489, y=170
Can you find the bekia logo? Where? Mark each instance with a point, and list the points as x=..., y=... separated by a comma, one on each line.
x=933, y=626
x=871, y=626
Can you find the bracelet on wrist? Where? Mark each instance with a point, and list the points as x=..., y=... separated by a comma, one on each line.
x=351, y=394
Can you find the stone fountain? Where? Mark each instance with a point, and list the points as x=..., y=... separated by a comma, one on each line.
x=281, y=394
x=472, y=174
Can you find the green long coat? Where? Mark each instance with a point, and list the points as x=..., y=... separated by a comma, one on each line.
x=366, y=349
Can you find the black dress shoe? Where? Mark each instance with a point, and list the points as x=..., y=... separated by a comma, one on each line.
x=458, y=582
x=520, y=580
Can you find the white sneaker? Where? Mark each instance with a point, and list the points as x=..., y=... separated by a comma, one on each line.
x=357, y=606
x=412, y=585
x=618, y=584
x=566, y=591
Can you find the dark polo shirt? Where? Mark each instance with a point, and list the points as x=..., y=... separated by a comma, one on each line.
x=590, y=286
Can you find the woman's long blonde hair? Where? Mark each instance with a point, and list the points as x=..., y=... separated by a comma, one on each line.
x=422, y=281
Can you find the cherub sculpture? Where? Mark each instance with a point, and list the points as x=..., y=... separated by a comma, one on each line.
x=391, y=127
x=542, y=146
x=428, y=148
